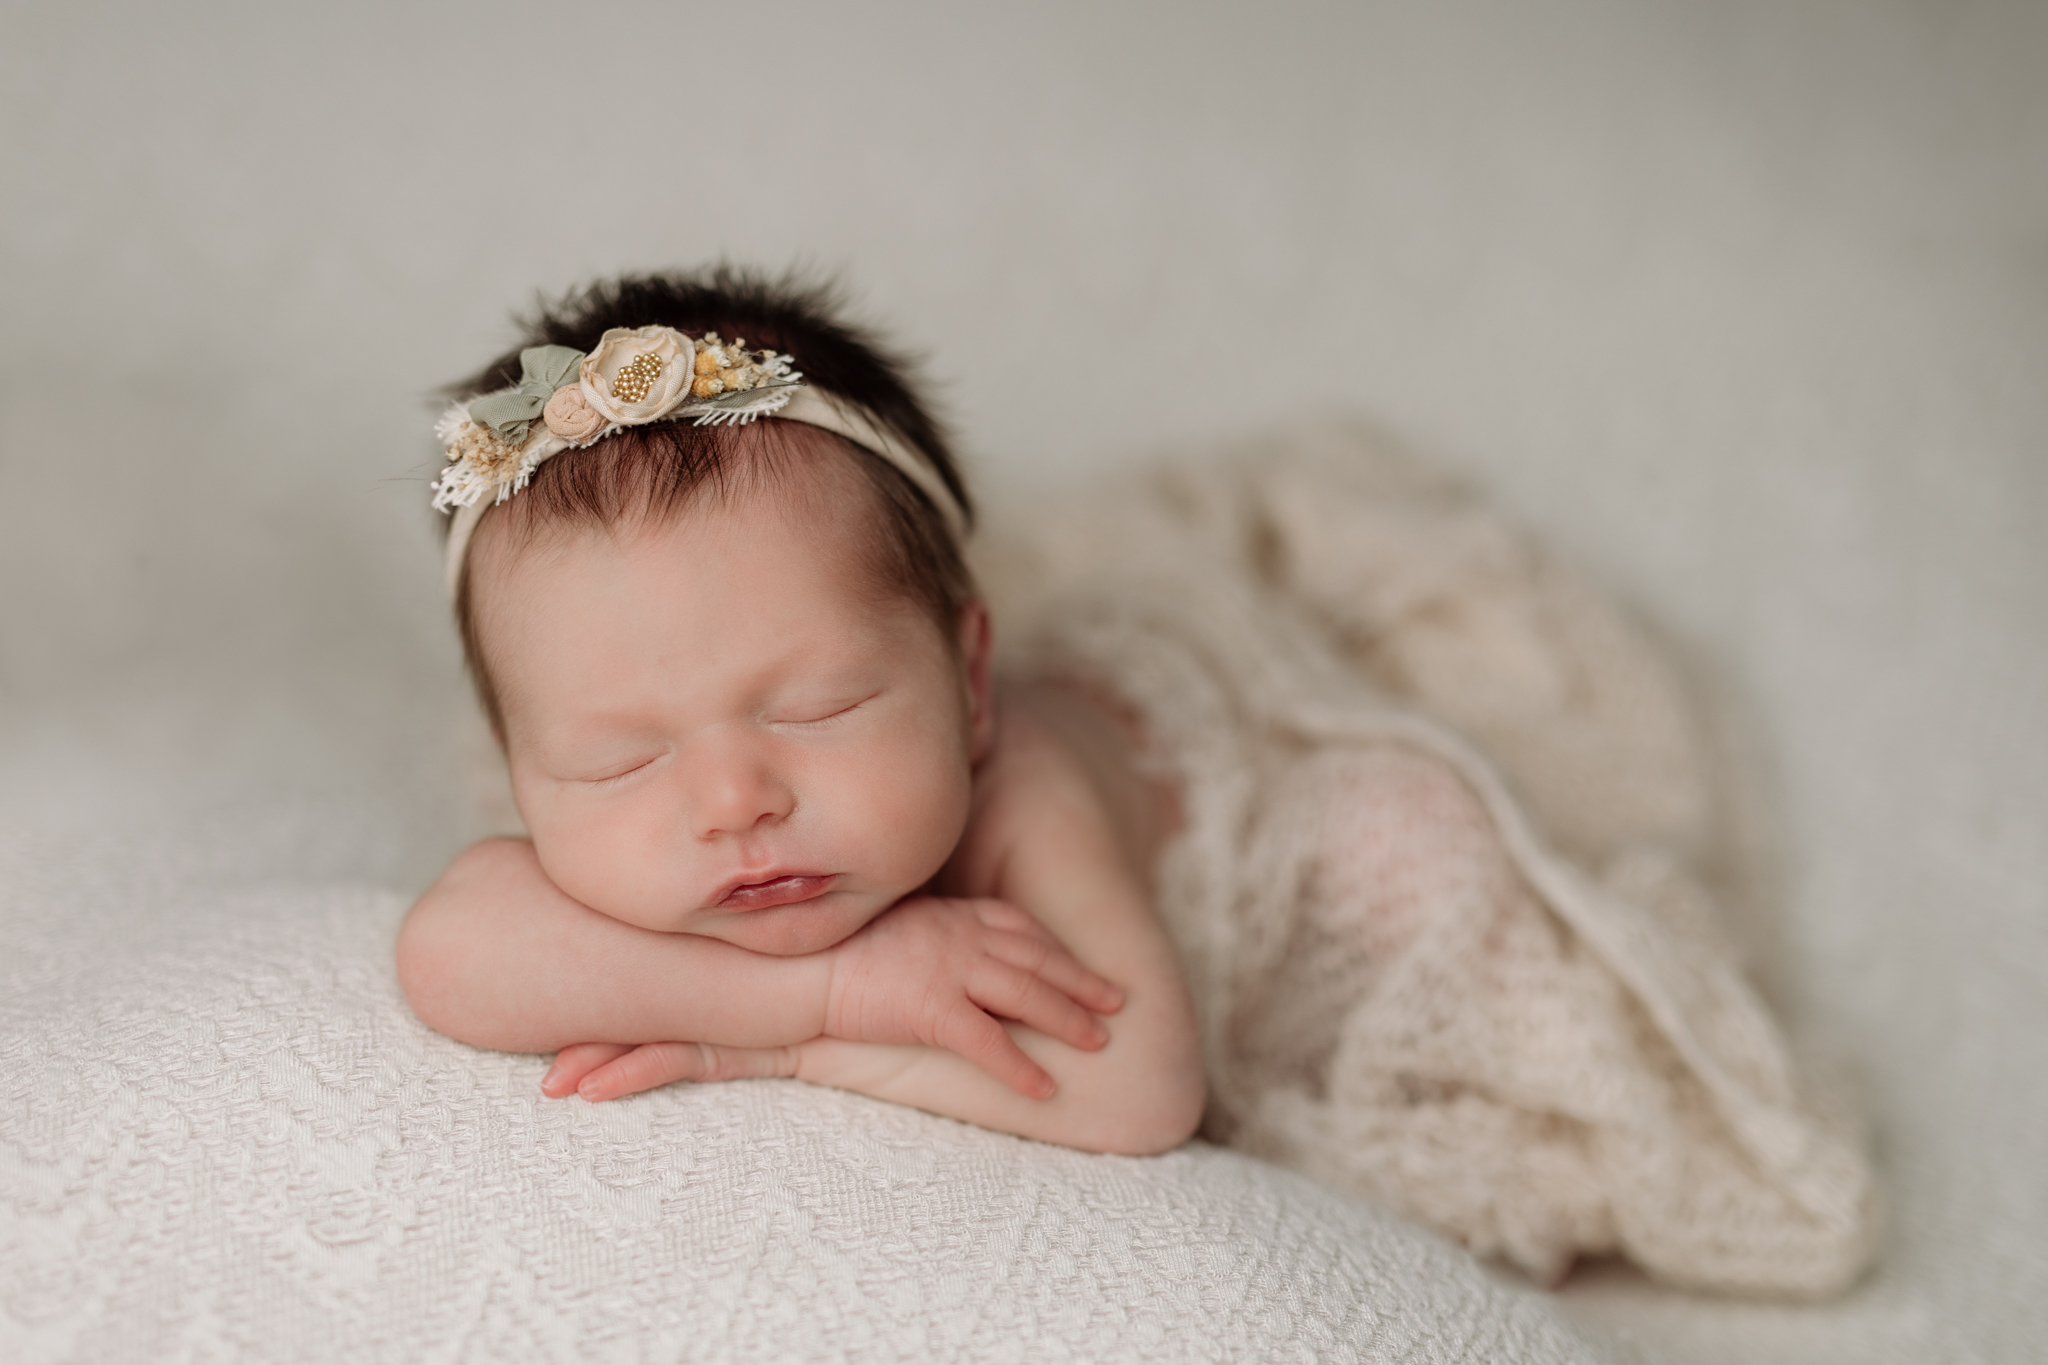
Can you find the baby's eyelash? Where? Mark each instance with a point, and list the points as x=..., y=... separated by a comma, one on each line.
x=841, y=714
x=615, y=777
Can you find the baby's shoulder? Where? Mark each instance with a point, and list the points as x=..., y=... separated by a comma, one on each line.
x=1035, y=797
x=1029, y=768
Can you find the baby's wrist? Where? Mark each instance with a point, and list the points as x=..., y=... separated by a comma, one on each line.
x=832, y=997
x=821, y=986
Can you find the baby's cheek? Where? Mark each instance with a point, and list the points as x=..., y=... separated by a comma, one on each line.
x=605, y=864
x=910, y=814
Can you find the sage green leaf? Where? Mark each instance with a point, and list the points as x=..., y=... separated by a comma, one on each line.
x=552, y=366
x=509, y=412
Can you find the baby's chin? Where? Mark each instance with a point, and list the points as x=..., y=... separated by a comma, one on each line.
x=788, y=930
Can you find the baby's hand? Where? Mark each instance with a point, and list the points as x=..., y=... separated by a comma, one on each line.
x=930, y=970
x=933, y=970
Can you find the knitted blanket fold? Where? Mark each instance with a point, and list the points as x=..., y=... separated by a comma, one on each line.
x=1440, y=886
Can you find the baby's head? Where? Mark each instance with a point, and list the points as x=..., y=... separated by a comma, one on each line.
x=738, y=670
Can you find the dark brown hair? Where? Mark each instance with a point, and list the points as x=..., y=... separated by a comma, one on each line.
x=655, y=471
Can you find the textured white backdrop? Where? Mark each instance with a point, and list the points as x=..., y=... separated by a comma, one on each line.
x=1745, y=306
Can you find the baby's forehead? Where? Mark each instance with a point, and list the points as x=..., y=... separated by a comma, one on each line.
x=790, y=527
x=791, y=522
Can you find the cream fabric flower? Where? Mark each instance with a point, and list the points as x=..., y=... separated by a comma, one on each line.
x=570, y=416
x=637, y=374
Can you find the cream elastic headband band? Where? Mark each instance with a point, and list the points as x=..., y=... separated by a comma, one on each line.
x=567, y=400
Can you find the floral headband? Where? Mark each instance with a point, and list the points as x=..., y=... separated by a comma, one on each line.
x=567, y=400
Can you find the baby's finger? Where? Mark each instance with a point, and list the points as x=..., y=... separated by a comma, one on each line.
x=1053, y=964
x=658, y=1064
x=573, y=1063
x=643, y=1068
x=1013, y=993
x=987, y=1044
x=1014, y=918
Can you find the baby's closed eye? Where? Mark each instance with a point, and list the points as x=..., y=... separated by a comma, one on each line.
x=615, y=773
x=818, y=714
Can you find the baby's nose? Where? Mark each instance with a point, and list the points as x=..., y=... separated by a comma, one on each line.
x=734, y=790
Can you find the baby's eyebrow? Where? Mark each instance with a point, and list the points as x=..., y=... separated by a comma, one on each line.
x=612, y=729
x=657, y=725
x=825, y=661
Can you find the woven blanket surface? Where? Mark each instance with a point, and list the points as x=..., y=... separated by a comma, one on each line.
x=224, y=1137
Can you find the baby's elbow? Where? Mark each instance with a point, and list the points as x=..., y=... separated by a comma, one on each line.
x=426, y=974
x=1167, y=1126
x=1152, y=1095
x=437, y=942
x=1157, y=1119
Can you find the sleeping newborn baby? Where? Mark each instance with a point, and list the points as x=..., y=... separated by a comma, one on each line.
x=1417, y=814
x=782, y=822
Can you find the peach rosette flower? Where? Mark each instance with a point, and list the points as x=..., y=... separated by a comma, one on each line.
x=637, y=374
x=570, y=416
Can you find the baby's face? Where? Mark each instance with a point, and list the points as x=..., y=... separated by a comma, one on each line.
x=719, y=726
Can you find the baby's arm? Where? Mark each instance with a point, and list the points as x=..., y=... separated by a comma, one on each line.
x=1045, y=842
x=496, y=956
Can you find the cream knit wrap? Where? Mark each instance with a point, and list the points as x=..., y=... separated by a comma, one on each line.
x=1441, y=887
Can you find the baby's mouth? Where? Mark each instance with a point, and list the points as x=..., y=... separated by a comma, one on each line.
x=776, y=891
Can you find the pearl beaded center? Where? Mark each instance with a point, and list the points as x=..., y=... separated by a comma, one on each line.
x=635, y=381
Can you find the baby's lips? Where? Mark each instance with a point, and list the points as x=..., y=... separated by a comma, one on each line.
x=788, y=888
